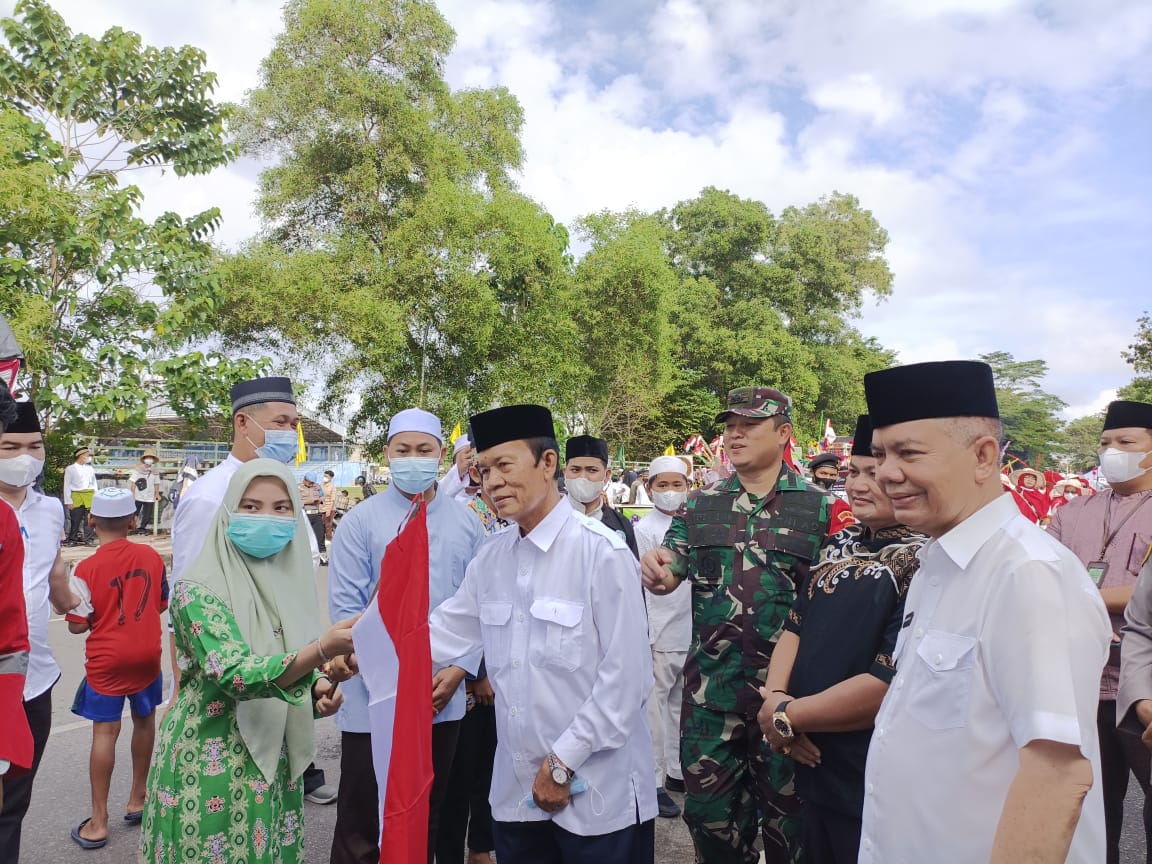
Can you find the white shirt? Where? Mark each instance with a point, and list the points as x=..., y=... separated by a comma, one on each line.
x=617, y=492
x=78, y=478
x=197, y=510
x=41, y=523
x=1004, y=638
x=560, y=617
x=151, y=478
x=669, y=615
x=642, y=498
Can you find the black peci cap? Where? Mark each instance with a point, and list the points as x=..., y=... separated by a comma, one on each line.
x=258, y=390
x=862, y=440
x=1123, y=414
x=925, y=391
x=586, y=445
x=27, y=420
x=510, y=423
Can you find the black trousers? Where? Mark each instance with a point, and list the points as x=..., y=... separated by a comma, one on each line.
x=356, y=838
x=830, y=837
x=545, y=842
x=316, y=520
x=146, y=512
x=466, y=812
x=78, y=528
x=1121, y=752
x=18, y=790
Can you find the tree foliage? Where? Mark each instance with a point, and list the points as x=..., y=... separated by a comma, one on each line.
x=1079, y=443
x=1031, y=416
x=396, y=254
x=111, y=309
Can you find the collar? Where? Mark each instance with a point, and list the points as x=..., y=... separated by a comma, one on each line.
x=963, y=542
x=392, y=492
x=788, y=481
x=545, y=534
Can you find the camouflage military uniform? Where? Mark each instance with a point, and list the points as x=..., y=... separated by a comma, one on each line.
x=746, y=558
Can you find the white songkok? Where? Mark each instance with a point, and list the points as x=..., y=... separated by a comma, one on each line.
x=416, y=420
x=113, y=503
x=667, y=465
x=461, y=442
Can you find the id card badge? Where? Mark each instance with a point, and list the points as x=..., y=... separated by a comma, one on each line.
x=1097, y=569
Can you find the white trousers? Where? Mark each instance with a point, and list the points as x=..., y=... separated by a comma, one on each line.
x=664, y=712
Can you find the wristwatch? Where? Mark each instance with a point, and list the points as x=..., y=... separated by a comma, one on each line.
x=561, y=776
x=780, y=720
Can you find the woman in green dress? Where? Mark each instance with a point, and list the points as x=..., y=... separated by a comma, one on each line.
x=225, y=785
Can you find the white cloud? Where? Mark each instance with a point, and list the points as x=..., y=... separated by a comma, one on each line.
x=956, y=122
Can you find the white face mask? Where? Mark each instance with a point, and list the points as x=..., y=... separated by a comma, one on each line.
x=1120, y=466
x=669, y=500
x=584, y=491
x=20, y=470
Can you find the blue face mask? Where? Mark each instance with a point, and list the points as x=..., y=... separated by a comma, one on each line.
x=279, y=444
x=259, y=535
x=414, y=474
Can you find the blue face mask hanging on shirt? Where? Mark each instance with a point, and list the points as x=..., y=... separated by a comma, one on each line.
x=259, y=535
x=279, y=445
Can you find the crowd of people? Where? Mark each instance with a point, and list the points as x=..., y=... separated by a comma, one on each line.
x=907, y=655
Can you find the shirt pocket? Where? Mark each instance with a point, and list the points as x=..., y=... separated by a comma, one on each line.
x=942, y=680
x=495, y=626
x=1140, y=544
x=557, y=637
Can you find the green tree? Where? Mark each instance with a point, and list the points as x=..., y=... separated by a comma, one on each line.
x=1079, y=443
x=1139, y=356
x=112, y=310
x=768, y=300
x=1031, y=416
x=396, y=256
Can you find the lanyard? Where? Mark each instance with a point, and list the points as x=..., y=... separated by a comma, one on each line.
x=1109, y=537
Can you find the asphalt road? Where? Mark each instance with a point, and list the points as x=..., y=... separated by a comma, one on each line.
x=61, y=795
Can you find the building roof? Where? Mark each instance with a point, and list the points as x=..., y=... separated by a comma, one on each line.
x=172, y=428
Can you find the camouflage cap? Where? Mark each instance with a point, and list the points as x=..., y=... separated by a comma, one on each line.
x=762, y=402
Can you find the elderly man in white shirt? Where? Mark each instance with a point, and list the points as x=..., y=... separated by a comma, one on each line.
x=555, y=603
x=669, y=632
x=985, y=747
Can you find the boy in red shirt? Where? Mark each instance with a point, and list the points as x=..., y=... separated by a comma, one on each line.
x=123, y=589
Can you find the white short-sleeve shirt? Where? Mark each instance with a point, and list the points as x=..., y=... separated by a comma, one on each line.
x=1003, y=641
x=41, y=524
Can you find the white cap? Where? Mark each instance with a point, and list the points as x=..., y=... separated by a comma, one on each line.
x=113, y=503
x=667, y=465
x=416, y=420
x=461, y=442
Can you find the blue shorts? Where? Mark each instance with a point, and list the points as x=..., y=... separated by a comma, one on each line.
x=108, y=709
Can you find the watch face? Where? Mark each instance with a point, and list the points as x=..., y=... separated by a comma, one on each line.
x=559, y=776
x=783, y=727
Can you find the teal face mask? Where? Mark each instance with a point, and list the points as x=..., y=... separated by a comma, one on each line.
x=414, y=474
x=259, y=535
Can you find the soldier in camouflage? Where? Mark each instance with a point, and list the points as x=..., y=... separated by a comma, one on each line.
x=746, y=545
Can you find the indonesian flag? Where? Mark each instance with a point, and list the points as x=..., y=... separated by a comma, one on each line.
x=396, y=665
x=695, y=445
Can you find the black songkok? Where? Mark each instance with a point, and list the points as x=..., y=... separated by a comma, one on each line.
x=925, y=391
x=1123, y=414
x=862, y=440
x=510, y=423
x=27, y=420
x=586, y=445
x=260, y=390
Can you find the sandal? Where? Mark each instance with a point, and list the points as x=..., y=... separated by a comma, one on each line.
x=134, y=817
x=83, y=842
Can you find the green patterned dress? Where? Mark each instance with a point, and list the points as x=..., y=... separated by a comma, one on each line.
x=207, y=801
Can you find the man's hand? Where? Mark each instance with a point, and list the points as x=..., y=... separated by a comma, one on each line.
x=482, y=690
x=445, y=683
x=775, y=740
x=804, y=751
x=328, y=698
x=548, y=795
x=658, y=576
x=339, y=668
x=462, y=459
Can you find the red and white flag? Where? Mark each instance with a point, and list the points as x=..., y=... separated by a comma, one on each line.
x=829, y=432
x=395, y=659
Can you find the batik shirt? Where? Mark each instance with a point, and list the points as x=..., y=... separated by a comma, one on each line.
x=848, y=616
x=745, y=557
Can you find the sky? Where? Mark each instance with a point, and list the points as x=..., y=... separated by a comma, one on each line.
x=1006, y=146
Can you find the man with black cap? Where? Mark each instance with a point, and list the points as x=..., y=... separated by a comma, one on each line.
x=553, y=601
x=1111, y=533
x=80, y=476
x=585, y=476
x=46, y=588
x=825, y=470
x=264, y=425
x=746, y=545
x=985, y=746
x=833, y=663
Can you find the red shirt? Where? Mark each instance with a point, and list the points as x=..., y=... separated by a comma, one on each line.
x=124, y=588
x=16, y=742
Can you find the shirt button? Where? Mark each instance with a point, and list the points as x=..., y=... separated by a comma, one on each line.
x=871, y=788
x=919, y=632
x=520, y=617
x=516, y=757
x=879, y=733
x=523, y=571
x=899, y=683
x=515, y=664
x=867, y=844
x=939, y=659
